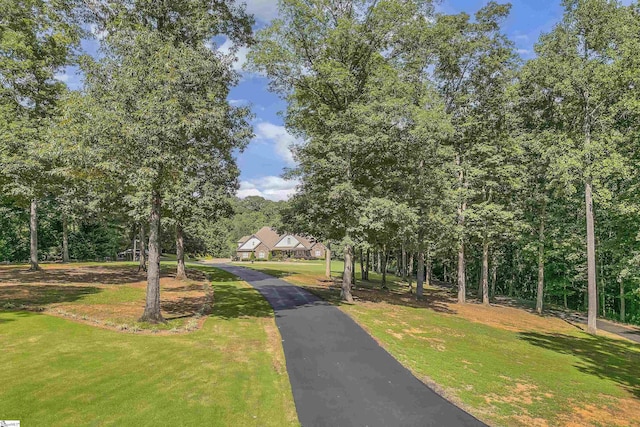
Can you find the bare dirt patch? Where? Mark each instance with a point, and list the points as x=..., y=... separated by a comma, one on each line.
x=111, y=297
x=70, y=274
x=439, y=300
x=622, y=413
x=274, y=345
x=509, y=318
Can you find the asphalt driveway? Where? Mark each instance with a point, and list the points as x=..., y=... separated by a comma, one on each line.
x=339, y=375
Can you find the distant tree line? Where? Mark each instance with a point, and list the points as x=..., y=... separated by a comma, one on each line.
x=145, y=147
x=102, y=238
x=427, y=136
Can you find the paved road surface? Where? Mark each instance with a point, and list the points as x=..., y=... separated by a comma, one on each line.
x=629, y=332
x=339, y=375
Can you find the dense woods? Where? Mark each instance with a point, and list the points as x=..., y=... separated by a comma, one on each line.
x=430, y=147
x=150, y=137
x=430, y=143
x=100, y=237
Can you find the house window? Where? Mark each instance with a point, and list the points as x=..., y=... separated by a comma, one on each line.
x=318, y=253
x=261, y=255
x=288, y=240
x=245, y=255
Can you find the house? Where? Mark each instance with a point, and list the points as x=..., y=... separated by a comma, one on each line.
x=267, y=243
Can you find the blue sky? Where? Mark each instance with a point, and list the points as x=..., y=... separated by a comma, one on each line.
x=265, y=159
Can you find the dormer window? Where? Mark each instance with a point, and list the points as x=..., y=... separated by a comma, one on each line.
x=288, y=240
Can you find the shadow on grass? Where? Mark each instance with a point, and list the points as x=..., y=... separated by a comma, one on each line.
x=14, y=314
x=603, y=357
x=369, y=291
x=186, y=288
x=433, y=299
x=231, y=302
x=214, y=274
x=42, y=295
x=75, y=274
x=185, y=305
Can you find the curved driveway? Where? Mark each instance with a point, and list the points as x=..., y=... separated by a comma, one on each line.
x=339, y=375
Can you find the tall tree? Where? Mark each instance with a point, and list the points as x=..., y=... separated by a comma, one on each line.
x=199, y=196
x=37, y=39
x=473, y=60
x=577, y=68
x=320, y=56
x=166, y=92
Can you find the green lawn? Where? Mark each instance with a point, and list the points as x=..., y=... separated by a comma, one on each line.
x=312, y=270
x=504, y=365
x=56, y=371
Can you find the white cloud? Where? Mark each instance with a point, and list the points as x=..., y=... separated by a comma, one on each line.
x=269, y=187
x=241, y=54
x=524, y=51
x=263, y=10
x=93, y=28
x=282, y=140
x=63, y=77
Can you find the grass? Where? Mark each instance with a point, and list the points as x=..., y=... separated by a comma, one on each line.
x=503, y=364
x=105, y=294
x=232, y=371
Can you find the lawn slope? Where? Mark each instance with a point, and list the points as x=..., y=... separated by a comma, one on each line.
x=56, y=371
x=505, y=365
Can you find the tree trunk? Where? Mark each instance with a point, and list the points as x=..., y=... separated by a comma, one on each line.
x=591, y=263
x=462, y=288
x=622, y=302
x=133, y=244
x=33, y=229
x=410, y=271
x=485, y=271
x=345, y=293
x=327, y=262
x=429, y=269
x=445, y=278
x=420, y=276
x=601, y=288
x=385, y=260
x=353, y=269
x=143, y=256
x=540, y=293
x=480, y=278
x=367, y=266
x=65, y=239
x=462, y=205
x=152, y=312
x=379, y=264
x=404, y=263
x=494, y=275
x=362, y=274
x=181, y=273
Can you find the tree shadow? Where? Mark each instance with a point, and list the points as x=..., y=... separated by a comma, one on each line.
x=603, y=357
x=75, y=274
x=16, y=314
x=435, y=299
x=214, y=274
x=30, y=295
x=185, y=305
x=186, y=288
x=231, y=302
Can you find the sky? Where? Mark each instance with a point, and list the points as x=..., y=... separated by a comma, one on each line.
x=267, y=156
